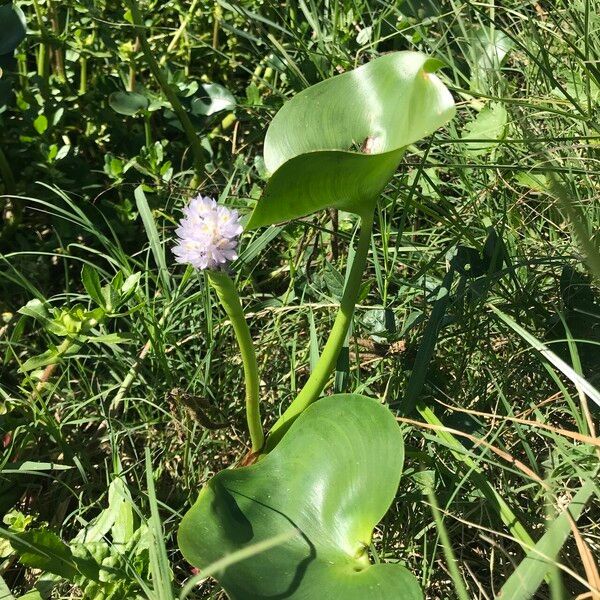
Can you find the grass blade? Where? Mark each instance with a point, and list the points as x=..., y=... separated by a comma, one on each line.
x=457, y=580
x=156, y=247
x=579, y=382
x=530, y=573
x=233, y=558
x=159, y=561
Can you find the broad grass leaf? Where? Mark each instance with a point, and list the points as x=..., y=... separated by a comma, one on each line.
x=582, y=384
x=156, y=247
x=530, y=573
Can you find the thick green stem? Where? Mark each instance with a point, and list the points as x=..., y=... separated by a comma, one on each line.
x=326, y=363
x=83, y=64
x=161, y=79
x=225, y=288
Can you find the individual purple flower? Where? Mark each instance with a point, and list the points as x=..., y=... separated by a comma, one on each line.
x=207, y=234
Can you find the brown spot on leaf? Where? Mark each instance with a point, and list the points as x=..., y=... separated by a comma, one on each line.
x=368, y=146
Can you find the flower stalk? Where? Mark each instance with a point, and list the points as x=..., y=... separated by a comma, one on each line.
x=228, y=295
x=207, y=239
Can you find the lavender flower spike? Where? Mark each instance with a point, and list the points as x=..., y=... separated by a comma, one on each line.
x=207, y=234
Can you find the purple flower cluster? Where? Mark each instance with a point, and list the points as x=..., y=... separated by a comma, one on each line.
x=207, y=234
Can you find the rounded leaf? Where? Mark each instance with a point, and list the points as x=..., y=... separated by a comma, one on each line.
x=337, y=143
x=213, y=99
x=127, y=103
x=328, y=483
x=12, y=28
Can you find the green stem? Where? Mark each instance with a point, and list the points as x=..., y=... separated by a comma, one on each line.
x=83, y=64
x=131, y=80
x=43, y=56
x=57, y=50
x=225, y=288
x=326, y=363
x=147, y=130
x=161, y=79
x=185, y=21
x=217, y=16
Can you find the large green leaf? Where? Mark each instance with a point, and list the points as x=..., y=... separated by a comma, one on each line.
x=12, y=28
x=328, y=482
x=337, y=143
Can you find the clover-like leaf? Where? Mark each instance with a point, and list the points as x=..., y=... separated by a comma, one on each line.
x=337, y=143
x=328, y=482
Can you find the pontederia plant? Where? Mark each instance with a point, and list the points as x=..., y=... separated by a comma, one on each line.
x=329, y=470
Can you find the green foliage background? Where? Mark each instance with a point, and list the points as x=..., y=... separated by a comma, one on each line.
x=498, y=209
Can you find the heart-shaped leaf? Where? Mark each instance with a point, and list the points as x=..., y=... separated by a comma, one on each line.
x=127, y=103
x=337, y=143
x=328, y=483
x=12, y=28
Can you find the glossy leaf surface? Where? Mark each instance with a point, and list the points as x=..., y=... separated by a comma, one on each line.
x=337, y=143
x=328, y=482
